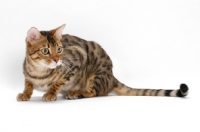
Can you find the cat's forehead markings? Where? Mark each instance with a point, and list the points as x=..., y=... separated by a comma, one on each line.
x=49, y=37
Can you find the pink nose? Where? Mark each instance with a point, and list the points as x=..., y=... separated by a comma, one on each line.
x=56, y=59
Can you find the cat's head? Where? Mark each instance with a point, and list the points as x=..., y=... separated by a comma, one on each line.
x=44, y=48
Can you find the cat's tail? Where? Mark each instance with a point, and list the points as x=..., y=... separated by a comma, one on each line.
x=121, y=89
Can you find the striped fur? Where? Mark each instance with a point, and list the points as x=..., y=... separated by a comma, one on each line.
x=83, y=69
x=122, y=89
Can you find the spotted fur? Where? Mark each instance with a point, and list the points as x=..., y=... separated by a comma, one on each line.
x=83, y=69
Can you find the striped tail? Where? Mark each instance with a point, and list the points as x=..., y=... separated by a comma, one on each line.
x=121, y=89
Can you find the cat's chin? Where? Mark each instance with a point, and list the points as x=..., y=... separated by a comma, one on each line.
x=52, y=67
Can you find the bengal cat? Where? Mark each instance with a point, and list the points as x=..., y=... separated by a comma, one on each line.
x=74, y=67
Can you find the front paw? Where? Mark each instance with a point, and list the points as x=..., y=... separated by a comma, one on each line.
x=49, y=97
x=23, y=97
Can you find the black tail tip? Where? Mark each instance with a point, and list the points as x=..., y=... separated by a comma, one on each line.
x=183, y=90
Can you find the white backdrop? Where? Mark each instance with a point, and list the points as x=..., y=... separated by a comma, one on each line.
x=153, y=44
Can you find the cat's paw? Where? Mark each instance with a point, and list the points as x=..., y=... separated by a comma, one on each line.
x=23, y=97
x=74, y=95
x=49, y=97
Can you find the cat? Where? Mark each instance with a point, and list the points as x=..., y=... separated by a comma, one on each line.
x=74, y=67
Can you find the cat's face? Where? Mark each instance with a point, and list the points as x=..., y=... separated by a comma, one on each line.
x=44, y=47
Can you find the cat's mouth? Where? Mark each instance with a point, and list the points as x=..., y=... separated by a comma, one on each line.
x=52, y=64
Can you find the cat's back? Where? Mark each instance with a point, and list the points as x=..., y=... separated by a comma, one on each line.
x=92, y=48
x=70, y=40
x=97, y=58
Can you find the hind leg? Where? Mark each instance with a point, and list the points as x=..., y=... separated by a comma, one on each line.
x=98, y=85
x=87, y=93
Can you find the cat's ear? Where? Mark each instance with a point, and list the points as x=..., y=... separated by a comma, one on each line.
x=58, y=31
x=33, y=35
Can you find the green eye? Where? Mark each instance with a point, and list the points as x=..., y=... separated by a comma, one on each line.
x=45, y=51
x=59, y=49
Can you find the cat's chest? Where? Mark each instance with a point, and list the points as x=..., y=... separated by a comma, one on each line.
x=41, y=85
x=44, y=84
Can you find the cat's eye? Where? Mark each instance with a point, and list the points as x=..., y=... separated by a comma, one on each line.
x=59, y=49
x=45, y=51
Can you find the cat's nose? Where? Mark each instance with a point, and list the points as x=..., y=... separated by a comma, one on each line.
x=56, y=59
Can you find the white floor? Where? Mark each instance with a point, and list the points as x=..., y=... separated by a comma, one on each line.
x=153, y=44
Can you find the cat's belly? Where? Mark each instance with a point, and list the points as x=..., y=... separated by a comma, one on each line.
x=65, y=89
x=68, y=86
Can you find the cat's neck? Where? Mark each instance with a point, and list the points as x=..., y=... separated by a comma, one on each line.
x=34, y=70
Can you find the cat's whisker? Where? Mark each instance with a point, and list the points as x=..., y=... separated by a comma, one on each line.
x=67, y=67
x=40, y=68
x=64, y=66
x=70, y=58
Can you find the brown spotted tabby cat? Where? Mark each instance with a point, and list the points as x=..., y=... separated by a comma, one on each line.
x=77, y=68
